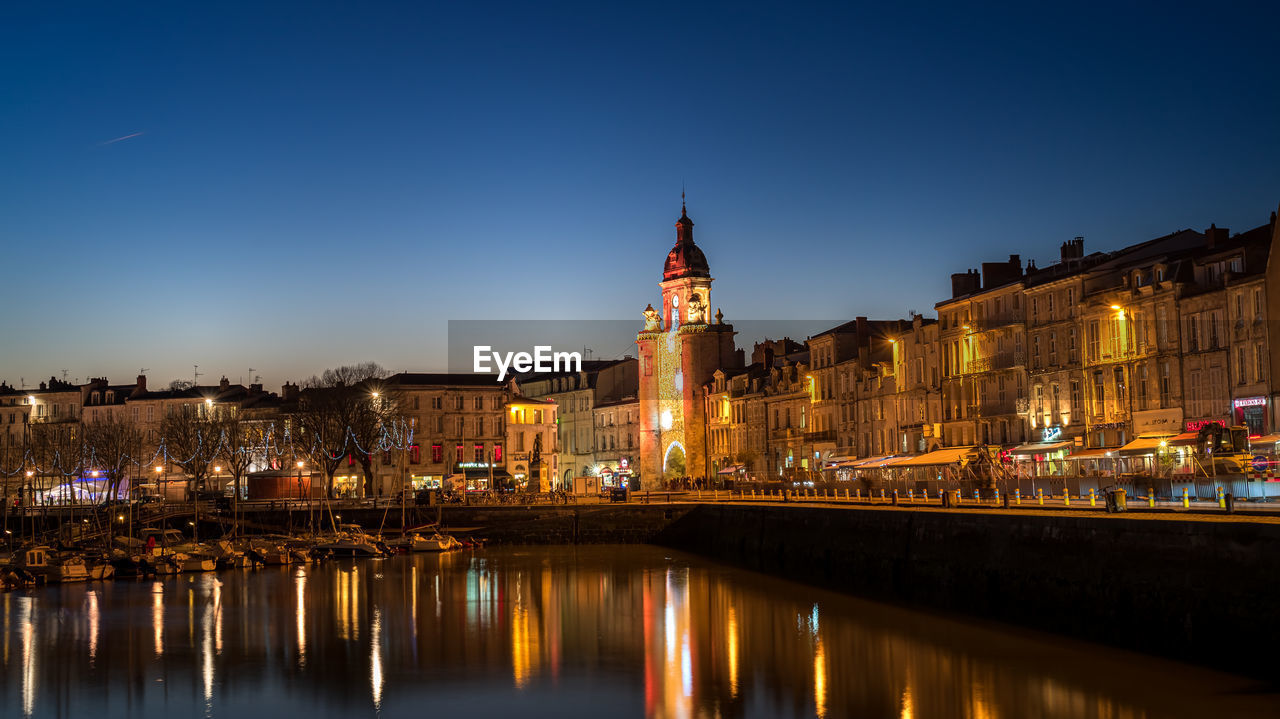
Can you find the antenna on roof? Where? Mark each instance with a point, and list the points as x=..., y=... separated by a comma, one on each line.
x=64, y=375
x=141, y=370
x=195, y=371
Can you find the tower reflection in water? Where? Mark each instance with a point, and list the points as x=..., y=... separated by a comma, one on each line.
x=634, y=631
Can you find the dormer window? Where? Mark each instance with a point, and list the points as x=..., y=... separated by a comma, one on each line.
x=95, y=398
x=1237, y=265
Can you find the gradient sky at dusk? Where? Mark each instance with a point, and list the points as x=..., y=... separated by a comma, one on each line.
x=316, y=184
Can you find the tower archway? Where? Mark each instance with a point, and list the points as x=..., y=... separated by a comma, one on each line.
x=673, y=461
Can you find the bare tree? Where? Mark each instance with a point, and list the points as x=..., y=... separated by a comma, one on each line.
x=242, y=443
x=192, y=440
x=322, y=433
x=111, y=446
x=345, y=412
x=56, y=453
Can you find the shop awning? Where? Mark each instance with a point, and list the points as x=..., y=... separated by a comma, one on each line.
x=1145, y=444
x=857, y=463
x=1098, y=453
x=732, y=469
x=1266, y=439
x=1184, y=439
x=875, y=462
x=950, y=455
x=1041, y=447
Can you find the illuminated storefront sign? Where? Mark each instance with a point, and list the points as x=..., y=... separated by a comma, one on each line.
x=1251, y=402
x=1051, y=434
x=1196, y=424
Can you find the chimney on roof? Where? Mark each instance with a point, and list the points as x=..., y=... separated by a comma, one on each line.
x=289, y=391
x=1072, y=250
x=964, y=283
x=995, y=274
x=1214, y=235
x=256, y=387
x=140, y=388
x=224, y=384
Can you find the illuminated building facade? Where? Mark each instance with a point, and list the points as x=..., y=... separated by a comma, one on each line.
x=681, y=347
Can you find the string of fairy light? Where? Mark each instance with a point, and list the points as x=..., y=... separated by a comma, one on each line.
x=392, y=435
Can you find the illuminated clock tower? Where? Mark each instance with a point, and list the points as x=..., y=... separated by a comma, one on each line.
x=681, y=346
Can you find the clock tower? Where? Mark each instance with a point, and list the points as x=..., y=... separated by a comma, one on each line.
x=681, y=346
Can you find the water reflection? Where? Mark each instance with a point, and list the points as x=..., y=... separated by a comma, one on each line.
x=631, y=631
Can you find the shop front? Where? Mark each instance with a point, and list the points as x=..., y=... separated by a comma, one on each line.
x=1040, y=459
x=1251, y=412
x=615, y=474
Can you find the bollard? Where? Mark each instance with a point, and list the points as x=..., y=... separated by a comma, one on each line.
x=1151, y=497
x=895, y=496
x=926, y=494
x=975, y=495
x=958, y=500
x=1040, y=496
x=1017, y=495
x=911, y=495
x=1186, y=501
x=1093, y=499
x=1222, y=503
x=882, y=493
x=846, y=494
x=1066, y=498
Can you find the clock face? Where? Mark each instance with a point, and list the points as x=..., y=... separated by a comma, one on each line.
x=675, y=300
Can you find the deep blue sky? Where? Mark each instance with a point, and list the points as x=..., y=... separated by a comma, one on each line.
x=323, y=183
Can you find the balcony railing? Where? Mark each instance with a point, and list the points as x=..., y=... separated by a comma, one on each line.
x=991, y=322
x=826, y=435
x=998, y=361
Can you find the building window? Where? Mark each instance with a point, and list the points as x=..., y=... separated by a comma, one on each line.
x=437, y=403
x=478, y=452
x=415, y=454
x=1165, y=384
x=457, y=453
x=1259, y=362
x=437, y=453
x=1242, y=365
x=1099, y=393
x=497, y=453
x=416, y=400
x=479, y=426
x=457, y=402
x=479, y=403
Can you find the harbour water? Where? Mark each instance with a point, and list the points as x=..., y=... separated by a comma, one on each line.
x=610, y=632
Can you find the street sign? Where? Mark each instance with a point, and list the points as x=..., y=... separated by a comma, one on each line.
x=1260, y=463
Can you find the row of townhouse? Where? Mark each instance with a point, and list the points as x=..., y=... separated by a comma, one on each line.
x=460, y=425
x=599, y=418
x=1090, y=353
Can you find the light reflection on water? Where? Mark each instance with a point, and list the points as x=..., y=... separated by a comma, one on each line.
x=564, y=632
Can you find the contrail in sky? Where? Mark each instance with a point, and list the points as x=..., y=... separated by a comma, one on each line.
x=118, y=139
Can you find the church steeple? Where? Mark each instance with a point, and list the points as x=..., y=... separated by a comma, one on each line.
x=685, y=259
